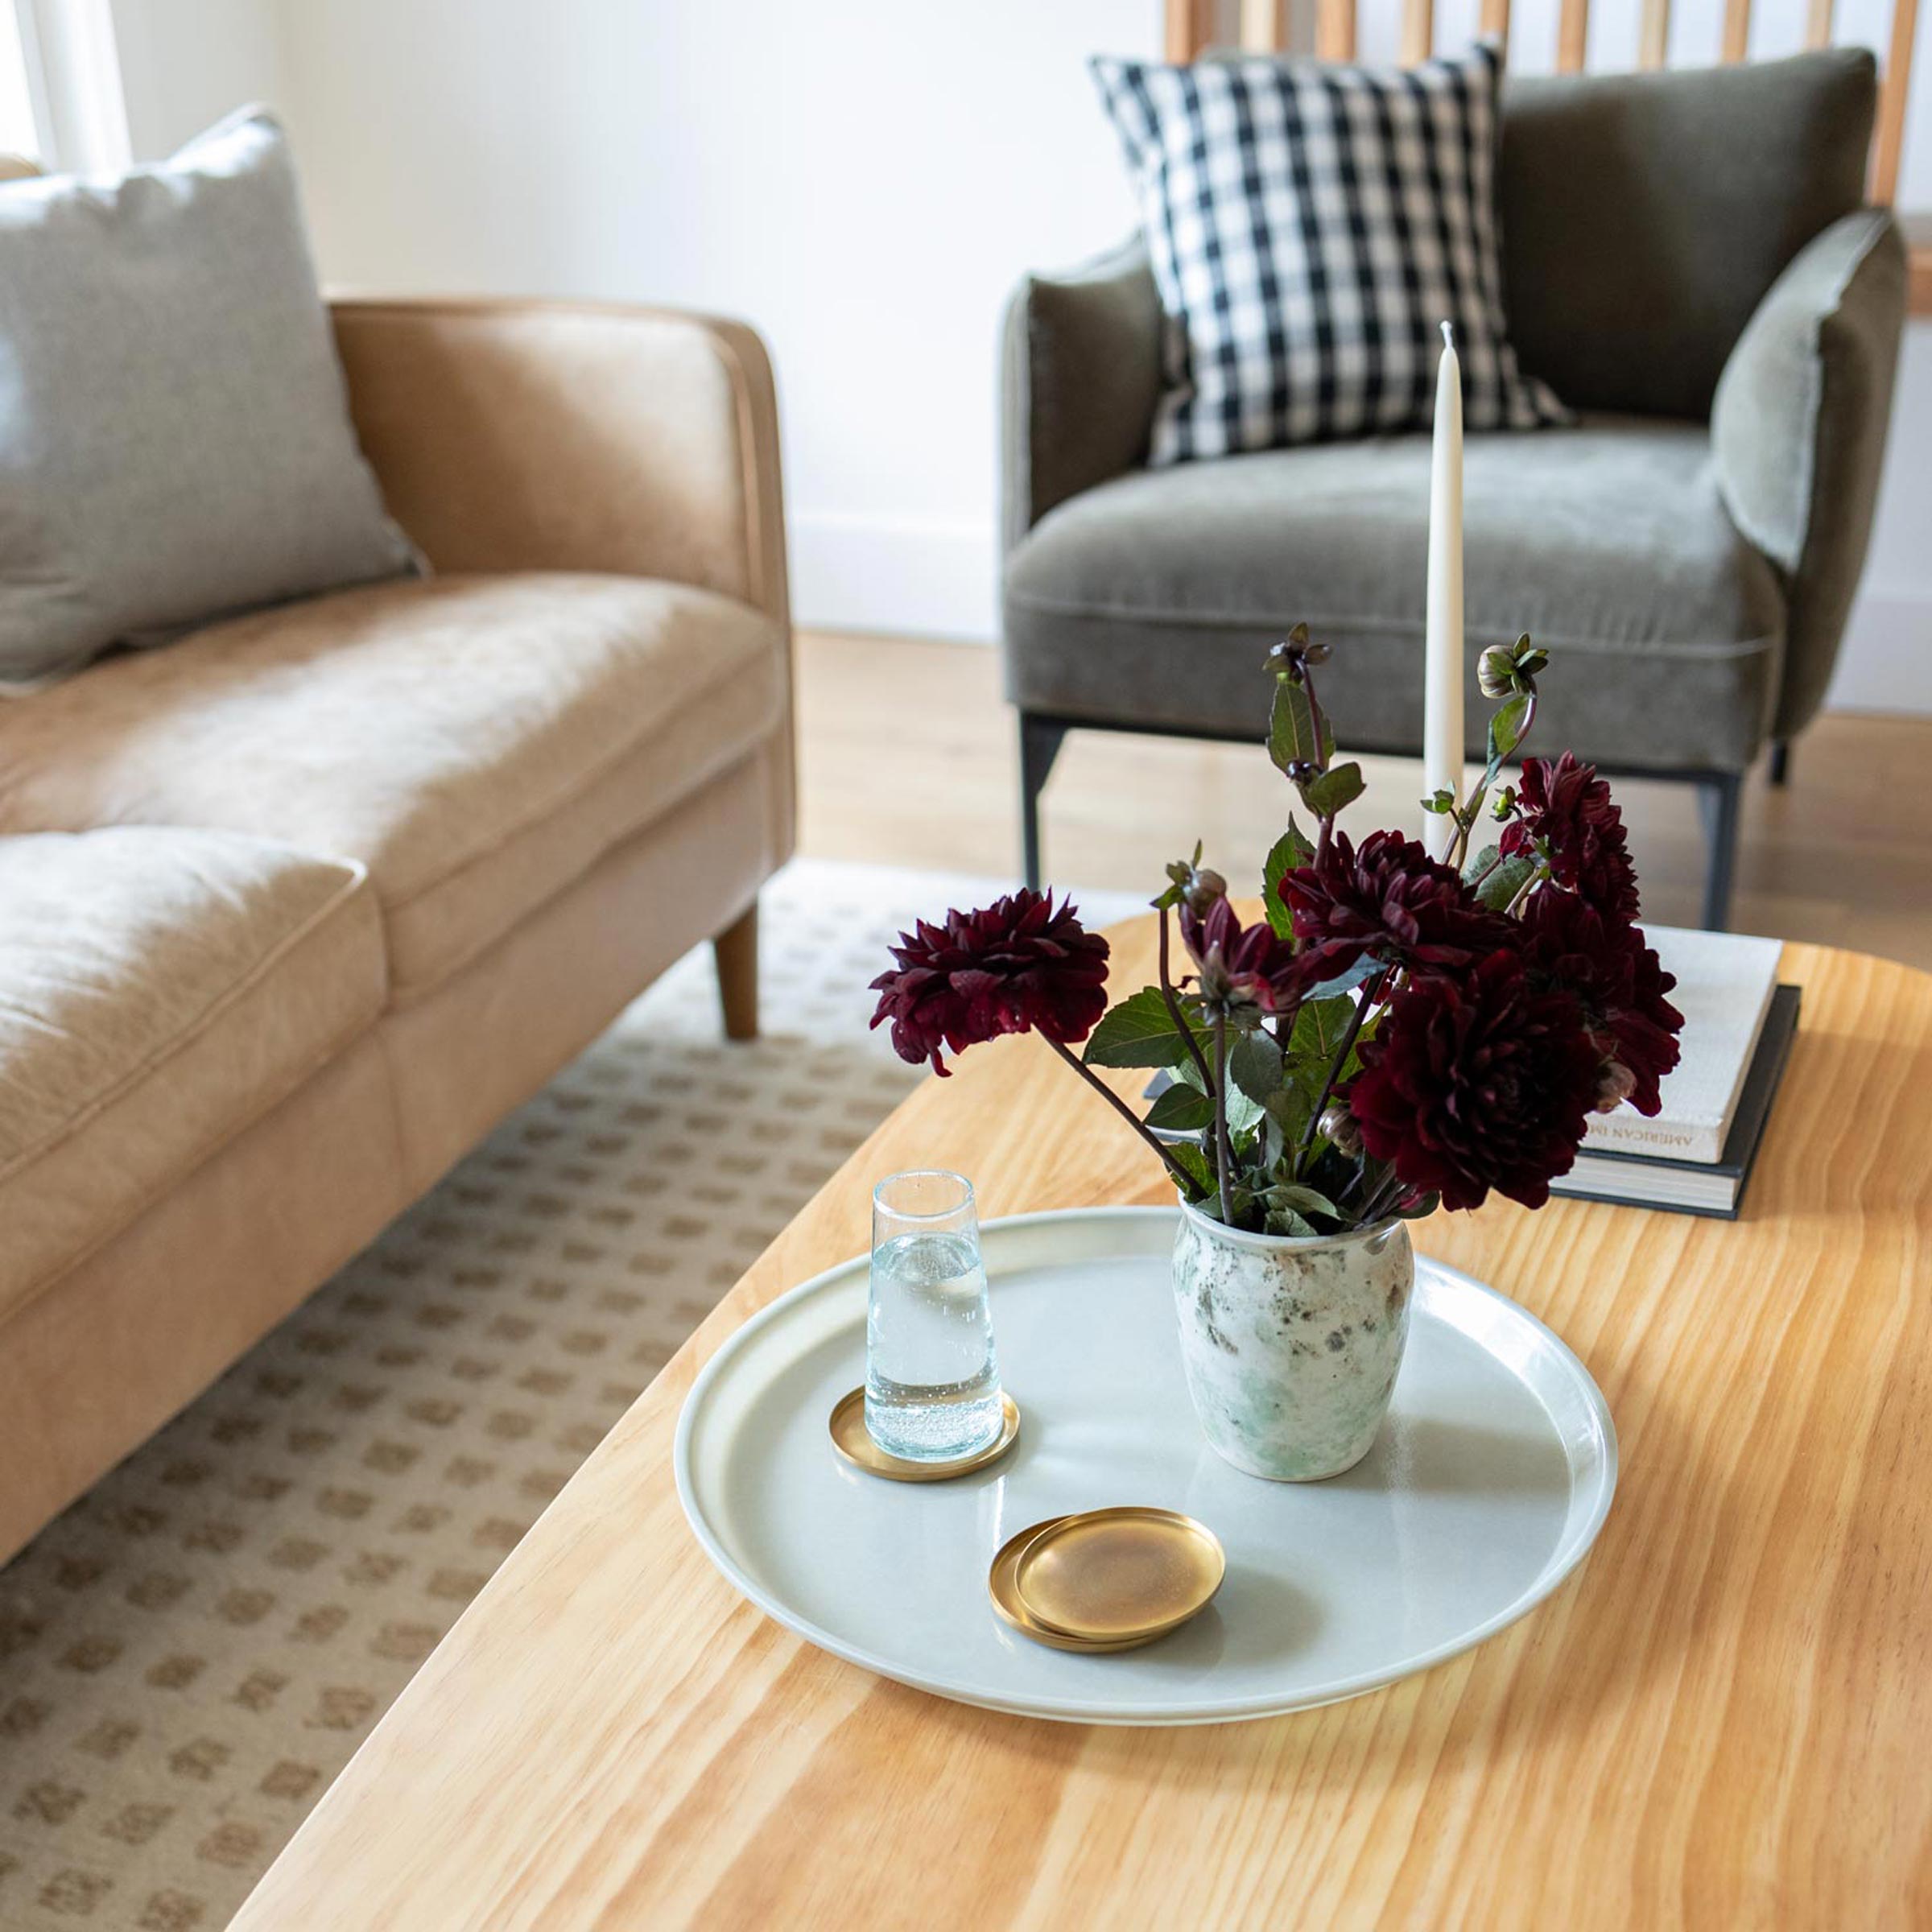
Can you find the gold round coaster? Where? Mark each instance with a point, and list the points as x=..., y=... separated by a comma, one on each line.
x=851, y=1438
x=999, y=1587
x=1119, y=1576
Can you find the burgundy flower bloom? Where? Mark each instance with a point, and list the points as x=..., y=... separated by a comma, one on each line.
x=1239, y=964
x=1388, y=899
x=1567, y=809
x=1482, y=1079
x=1020, y=966
x=1616, y=978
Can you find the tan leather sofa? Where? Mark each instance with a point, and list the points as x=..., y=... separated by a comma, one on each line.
x=308, y=899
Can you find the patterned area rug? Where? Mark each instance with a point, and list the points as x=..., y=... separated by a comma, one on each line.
x=189, y=1655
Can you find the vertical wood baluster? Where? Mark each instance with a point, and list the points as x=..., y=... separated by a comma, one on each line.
x=1654, y=35
x=1572, y=36
x=1818, y=24
x=1419, y=30
x=1737, y=41
x=1495, y=21
x=1264, y=26
x=1334, y=29
x=1189, y=29
x=1894, y=93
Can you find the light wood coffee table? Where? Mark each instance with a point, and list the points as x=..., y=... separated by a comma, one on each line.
x=1724, y=1718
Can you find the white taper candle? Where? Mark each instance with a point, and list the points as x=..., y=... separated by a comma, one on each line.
x=1442, y=637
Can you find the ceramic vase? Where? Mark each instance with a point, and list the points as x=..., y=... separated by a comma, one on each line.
x=1291, y=1345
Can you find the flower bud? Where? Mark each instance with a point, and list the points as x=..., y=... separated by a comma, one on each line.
x=1495, y=670
x=1614, y=1085
x=1340, y=1129
x=1204, y=886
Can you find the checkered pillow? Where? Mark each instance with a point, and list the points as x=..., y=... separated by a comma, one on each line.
x=1311, y=227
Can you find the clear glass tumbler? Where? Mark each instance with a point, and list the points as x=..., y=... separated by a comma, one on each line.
x=932, y=1382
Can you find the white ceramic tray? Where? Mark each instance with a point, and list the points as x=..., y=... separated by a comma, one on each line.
x=1489, y=1481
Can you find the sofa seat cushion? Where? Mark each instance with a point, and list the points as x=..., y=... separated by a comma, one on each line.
x=478, y=742
x=1151, y=599
x=160, y=990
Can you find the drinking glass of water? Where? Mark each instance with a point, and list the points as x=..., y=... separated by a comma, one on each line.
x=932, y=1384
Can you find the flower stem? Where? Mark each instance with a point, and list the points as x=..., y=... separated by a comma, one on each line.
x=1174, y=1006
x=1371, y=992
x=1173, y=1168
x=1224, y=1153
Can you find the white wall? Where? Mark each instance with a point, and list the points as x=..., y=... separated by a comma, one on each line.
x=864, y=180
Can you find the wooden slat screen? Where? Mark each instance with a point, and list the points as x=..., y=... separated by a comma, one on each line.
x=1895, y=93
x=1264, y=26
x=1572, y=36
x=1419, y=30
x=1653, y=33
x=1334, y=29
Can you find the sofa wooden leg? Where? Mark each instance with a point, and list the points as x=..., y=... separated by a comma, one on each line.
x=735, y=950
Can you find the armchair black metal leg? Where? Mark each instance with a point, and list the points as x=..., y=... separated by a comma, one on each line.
x=1719, y=796
x=1039, y=745
x=1781, y=760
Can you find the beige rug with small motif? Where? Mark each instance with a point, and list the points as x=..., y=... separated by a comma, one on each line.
x=191, y=1654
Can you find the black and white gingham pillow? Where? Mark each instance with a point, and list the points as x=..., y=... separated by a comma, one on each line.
x=1310, y=227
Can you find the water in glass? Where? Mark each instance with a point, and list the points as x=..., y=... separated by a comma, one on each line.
x=932, y=1380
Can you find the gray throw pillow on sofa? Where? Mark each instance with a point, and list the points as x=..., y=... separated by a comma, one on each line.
x=174, y=438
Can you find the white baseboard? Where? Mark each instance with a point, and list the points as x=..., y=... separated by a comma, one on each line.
x=912, y=576
x=1886, y=663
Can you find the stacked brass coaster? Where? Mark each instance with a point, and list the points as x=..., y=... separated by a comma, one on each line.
x=853, y=1441
x=1104, y=1580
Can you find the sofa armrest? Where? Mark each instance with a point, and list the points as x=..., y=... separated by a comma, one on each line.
x=1799, y=430
x=1080, y=375
x=525, y=435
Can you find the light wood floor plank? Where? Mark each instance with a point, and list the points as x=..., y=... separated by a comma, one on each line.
x=906, y=756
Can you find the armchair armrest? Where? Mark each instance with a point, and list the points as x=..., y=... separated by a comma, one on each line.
x=552, y=436
x=1799, y=430
x=1080, y=375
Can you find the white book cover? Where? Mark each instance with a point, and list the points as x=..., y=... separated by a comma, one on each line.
x=1724, y=984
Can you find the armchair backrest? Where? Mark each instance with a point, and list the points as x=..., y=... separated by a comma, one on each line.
x=1646, y=214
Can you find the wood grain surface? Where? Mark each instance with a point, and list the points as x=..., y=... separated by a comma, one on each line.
x=1724, y=1718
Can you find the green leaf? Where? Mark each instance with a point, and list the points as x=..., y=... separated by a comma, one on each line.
x=1254, y=1065
x=1500, y=886
x=1194, y=1163
x=1287, y=1195
x=1181, y=1109
x=1318, y=1028
x=1473, y=869
x=1138, y=1032
x=1290, y=849
x=1339, y=786
x=1291, y=737
x=1285, y=1220
x=1506, y=728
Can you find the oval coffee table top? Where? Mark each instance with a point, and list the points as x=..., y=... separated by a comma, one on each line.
x=1722, y=1718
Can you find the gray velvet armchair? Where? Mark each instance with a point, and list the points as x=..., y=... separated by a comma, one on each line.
x=1689, y=262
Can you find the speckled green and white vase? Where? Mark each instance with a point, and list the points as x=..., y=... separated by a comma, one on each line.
x=1291, y=1345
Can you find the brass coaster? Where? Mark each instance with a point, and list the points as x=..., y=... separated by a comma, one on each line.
x=999, y=1587
x=850, y=1438
x=1118, y=1576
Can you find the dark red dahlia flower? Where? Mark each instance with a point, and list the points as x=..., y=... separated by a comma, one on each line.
x=1477, y=1080
x=1020, y=966
x=1566, y=809
x=1389, y=899
x=1239, y=963
x=1616, y=978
